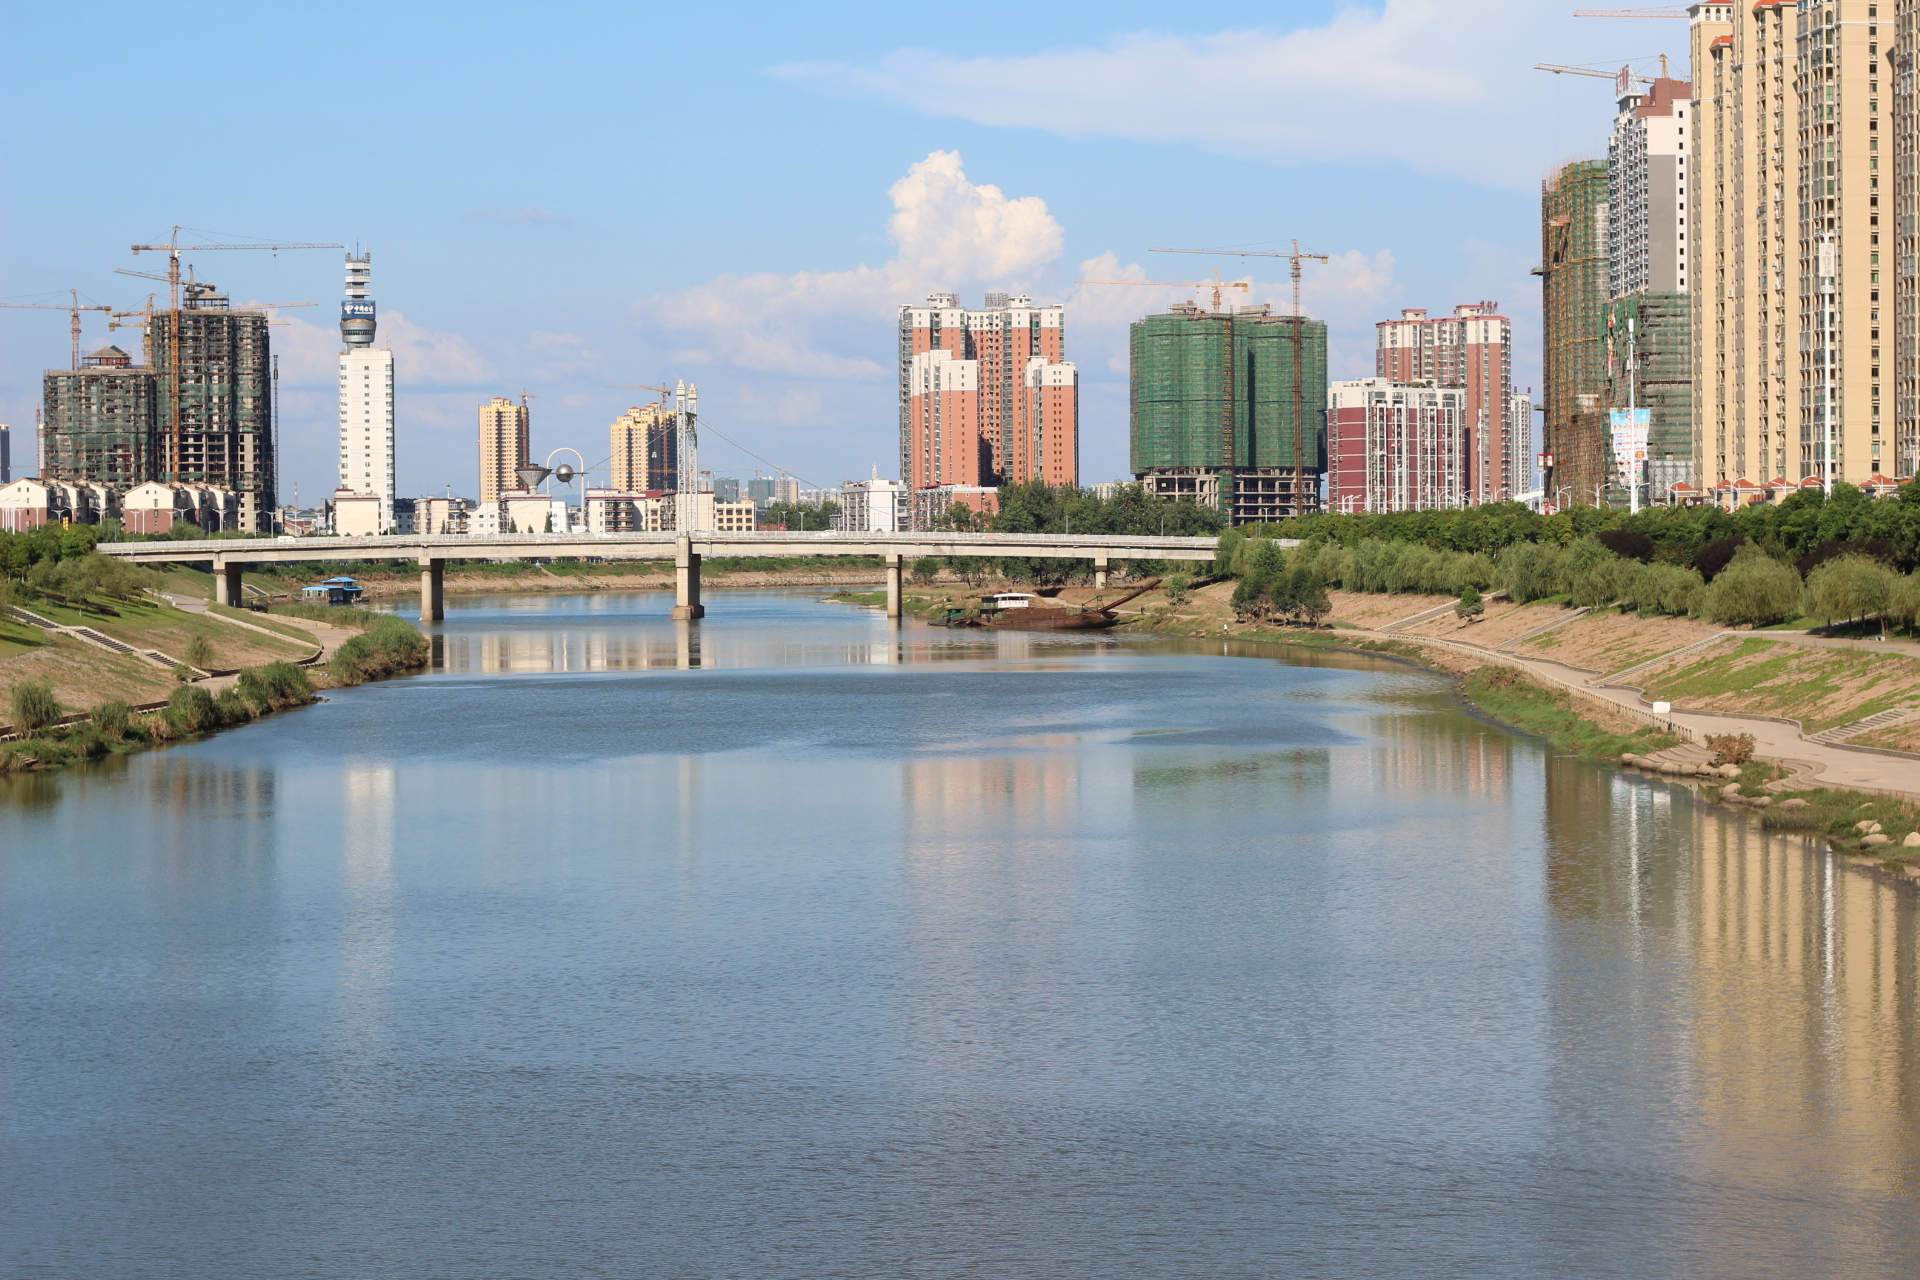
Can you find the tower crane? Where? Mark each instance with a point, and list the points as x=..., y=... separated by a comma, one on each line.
x=173, y=249
x=1216, y=284
x=1629, y=13
x=1559, y=70
x=1294, y=260
x=75, y=308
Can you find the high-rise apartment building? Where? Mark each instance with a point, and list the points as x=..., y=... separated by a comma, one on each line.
x=505, y=440
x=366, y=397
x=213, y=372
x=1646, y=181
x=1520, y=413
x=1573, y=293
x=1471, y=349
x=987, y=395
x=1788, y=152
x=1396, y=447
x=1229, y=409
x=644, y=440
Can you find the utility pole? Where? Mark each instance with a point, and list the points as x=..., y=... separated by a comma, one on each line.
x=1827, y=273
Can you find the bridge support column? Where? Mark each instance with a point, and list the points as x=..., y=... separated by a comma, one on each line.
x=686, y=581
x=228, y=573
x=1100, y=572
x=894, y=563
x=433, y=589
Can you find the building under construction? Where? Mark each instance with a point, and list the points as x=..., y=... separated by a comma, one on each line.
x=1573, y=267
x=101, y=424
x=215, y=400
x=203, y=418
x=1650, y=366
x=1230, y=409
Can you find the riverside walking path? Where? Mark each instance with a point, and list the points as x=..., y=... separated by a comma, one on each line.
x=1822, y=763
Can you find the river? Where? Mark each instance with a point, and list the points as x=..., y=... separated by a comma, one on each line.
x=791, y=944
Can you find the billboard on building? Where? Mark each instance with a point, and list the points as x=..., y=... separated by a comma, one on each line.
x=1630, y=428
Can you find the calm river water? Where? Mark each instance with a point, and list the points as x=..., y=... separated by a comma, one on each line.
x=792, y=945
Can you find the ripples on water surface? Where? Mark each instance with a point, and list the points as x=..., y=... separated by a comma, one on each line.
x=789, y=945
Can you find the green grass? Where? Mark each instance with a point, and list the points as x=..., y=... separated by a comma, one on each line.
x=264, y=621
x=17, y=637
x=1793, y=682
x=1513, y=699
x=332, y=615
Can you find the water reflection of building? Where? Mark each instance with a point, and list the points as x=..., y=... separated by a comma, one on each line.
x=1432, y=753
x=990, y=845
x=1773, y=989
x=368, y=796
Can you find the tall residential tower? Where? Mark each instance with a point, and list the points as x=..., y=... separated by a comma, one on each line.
x=366, y=396
x=987, y=397
x=1793, y=154
x=504, y=441
x=1471, y=349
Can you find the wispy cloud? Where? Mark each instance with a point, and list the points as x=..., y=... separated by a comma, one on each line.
x=1424, y=82
x=525, y=213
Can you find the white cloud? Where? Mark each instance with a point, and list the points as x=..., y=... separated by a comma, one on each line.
x=1430, y=84
x=310, y=353
x=948, y=234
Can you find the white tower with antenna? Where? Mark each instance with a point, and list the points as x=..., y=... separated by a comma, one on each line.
x=366, y=397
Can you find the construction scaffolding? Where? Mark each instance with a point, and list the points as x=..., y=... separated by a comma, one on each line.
x=1650, y=366
x=1221, y=414
x=100, y=422
x=1573, y=270
x=223, y=423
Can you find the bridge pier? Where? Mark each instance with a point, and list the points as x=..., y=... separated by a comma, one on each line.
x=1100, y=572
x=433, y=589
x=894, y=563
x=686, y=581
x=228, y=573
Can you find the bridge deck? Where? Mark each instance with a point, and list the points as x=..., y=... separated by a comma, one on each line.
x=652, y=546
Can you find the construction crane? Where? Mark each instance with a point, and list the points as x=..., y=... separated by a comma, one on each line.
x=1294, y=259
x=173, y=249
x=1559, y=70
x=1629, y=13
x=1216, y=284
x=75, y=308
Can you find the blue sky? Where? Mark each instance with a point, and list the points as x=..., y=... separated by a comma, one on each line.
x=563, y=196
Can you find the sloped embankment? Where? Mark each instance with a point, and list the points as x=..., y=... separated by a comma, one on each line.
x=1821, y=688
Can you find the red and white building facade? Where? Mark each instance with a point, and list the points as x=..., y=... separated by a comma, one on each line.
x=1396, y=447
x=987, y=397
x=1471, y=350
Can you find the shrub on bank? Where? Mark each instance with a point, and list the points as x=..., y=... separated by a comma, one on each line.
x=112, y=720
x=274, y=687
x=190, y=709
x=391, y=645
x=35, y=709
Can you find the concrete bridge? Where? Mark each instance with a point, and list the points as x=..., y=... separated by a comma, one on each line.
x=232, y=555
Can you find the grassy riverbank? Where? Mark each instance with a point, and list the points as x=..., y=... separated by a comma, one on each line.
x=49, y=740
